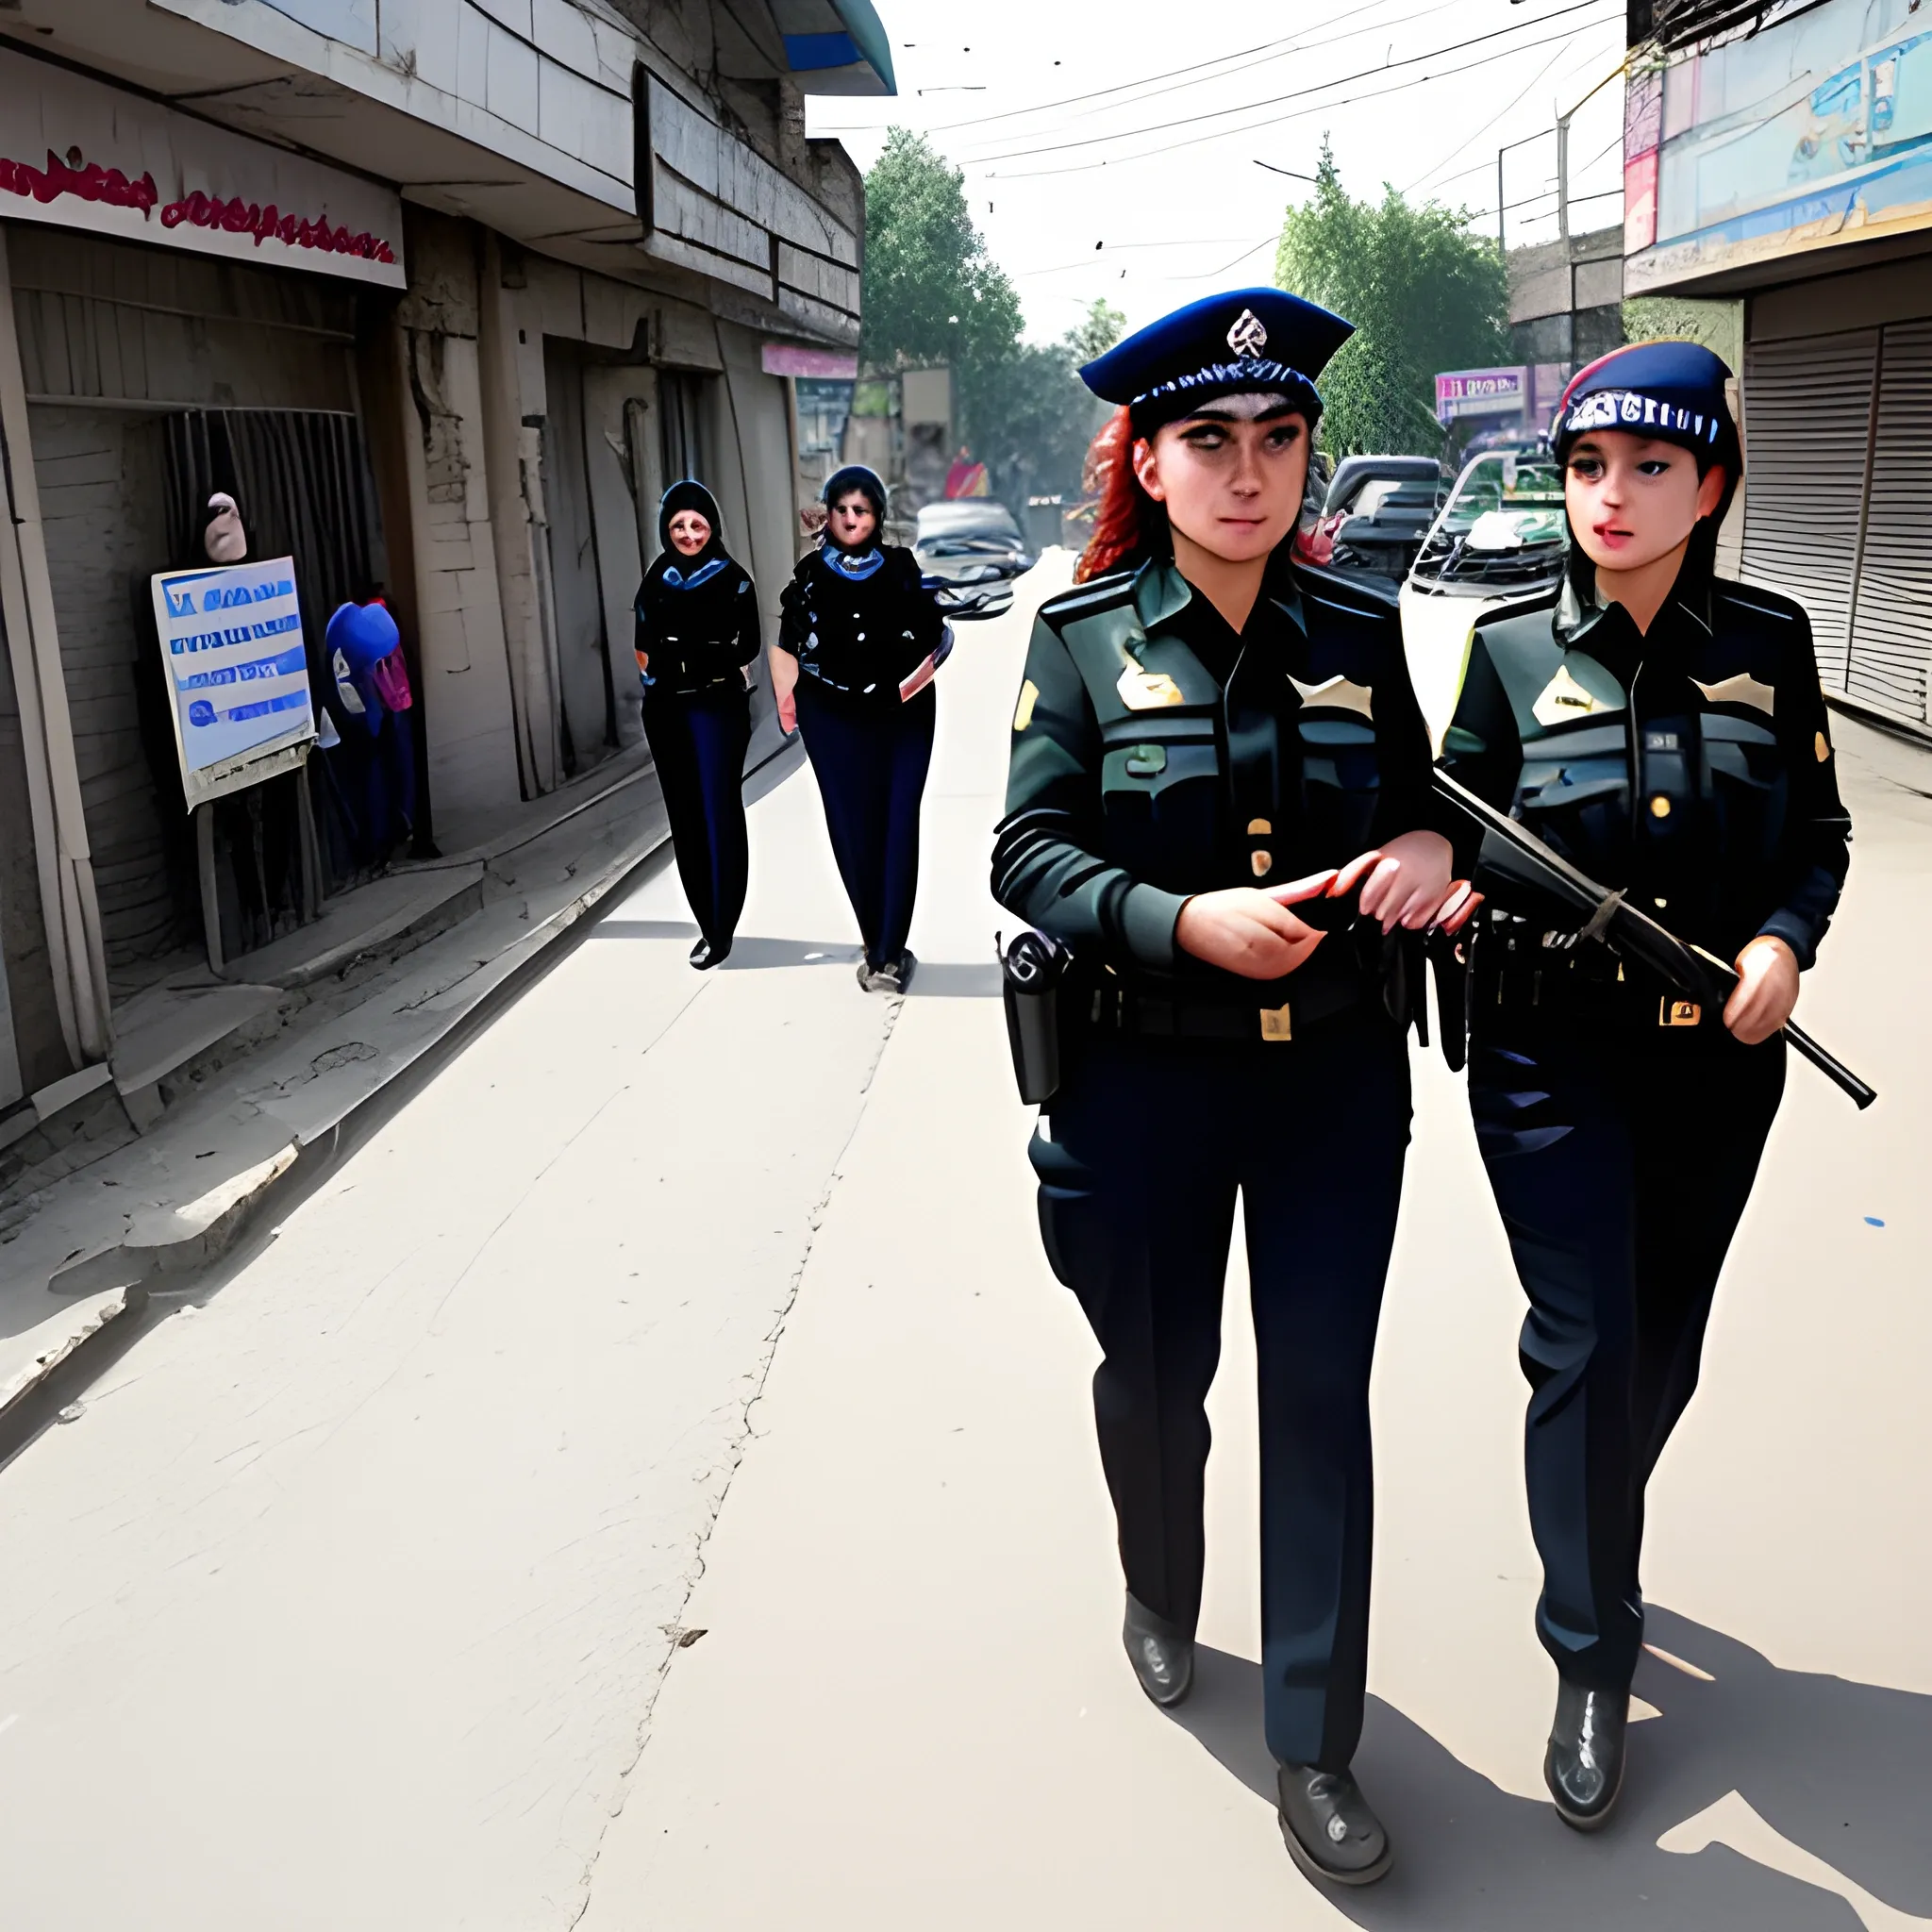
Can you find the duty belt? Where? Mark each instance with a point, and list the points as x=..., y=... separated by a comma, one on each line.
x=1125, y=1009
x=1529, y=972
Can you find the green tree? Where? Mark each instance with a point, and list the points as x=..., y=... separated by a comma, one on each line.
x=1097, y=331
x=1423, y=292
x=931, y=291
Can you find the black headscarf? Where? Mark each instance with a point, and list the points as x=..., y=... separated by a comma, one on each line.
x=856, y=479
x=688, y=494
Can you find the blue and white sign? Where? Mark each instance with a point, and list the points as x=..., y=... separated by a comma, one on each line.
x=232, y=641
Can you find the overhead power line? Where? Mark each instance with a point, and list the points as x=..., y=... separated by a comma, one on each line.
x=1297, y=93
x=1252, y=126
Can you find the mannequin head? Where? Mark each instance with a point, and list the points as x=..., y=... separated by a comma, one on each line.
x=223, y=537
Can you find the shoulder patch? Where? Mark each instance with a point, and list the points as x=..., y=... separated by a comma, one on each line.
x=1742, y=690
x=1084, y=600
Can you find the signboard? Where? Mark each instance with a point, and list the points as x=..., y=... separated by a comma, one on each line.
x=1814, y=132
x=794, y=358
x=1481, y=392
x=238, y=673
x=76, y=153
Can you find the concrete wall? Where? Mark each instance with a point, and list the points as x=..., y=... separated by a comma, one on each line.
x=1565, y=298
x=467, y=711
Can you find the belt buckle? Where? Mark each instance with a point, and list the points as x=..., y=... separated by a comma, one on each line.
x=1671, y=1012
x=1276, y=1024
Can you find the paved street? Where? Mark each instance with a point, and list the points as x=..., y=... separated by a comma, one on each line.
x=650, y=1484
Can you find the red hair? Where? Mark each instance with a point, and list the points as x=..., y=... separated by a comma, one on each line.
x=1126, y=520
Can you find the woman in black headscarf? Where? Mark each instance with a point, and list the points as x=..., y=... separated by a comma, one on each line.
x=697, y=630
x=858, y=644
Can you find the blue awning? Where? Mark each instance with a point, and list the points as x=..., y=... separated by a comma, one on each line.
x=836, y=46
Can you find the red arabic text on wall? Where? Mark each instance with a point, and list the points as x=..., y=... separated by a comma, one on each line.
x=92, y=182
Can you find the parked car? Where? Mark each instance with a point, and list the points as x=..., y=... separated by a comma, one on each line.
x=1376, y=511
x=1499, y=539
x=971, y=550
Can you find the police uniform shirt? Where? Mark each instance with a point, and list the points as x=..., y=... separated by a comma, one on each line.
x=1157, y=755
x=1691, y=766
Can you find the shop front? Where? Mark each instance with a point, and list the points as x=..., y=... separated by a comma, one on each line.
x=186, y=307
x=1790, y=169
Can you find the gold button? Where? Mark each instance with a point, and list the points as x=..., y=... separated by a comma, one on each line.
x=1822, y=745
x=1659, y=806
x=1258, y=828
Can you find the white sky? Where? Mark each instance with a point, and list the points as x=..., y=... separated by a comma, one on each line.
x=1202, y=216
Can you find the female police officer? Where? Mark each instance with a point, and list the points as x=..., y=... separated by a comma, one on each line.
x=1200, y=723
x=1662, y=729
x=852, y=668
x=697, y=628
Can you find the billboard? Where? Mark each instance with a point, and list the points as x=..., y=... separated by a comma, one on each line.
x=238, y=673
x=1482, y=393
x=1813, y=133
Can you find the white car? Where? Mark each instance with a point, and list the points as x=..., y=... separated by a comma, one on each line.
x=1500, y=537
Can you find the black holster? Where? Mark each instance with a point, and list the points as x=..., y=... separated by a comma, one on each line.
x=1035, y=974
x=1449, y=958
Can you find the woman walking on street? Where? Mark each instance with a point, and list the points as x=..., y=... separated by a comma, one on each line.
x=857, y=646
x=1212, y=745
x=697, y=632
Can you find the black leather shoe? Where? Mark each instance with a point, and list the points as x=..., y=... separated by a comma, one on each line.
x=1584, y=1765
x=1327, y=1825
x=704, y=956
x=1162, y=1655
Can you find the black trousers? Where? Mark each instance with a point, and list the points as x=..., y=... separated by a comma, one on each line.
x=1622, y=1154
x=699, y=740
x=871, y=760
x=1150, y=1141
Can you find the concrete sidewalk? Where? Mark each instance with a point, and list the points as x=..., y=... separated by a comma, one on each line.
x=343, y=1009
x=910, y=1705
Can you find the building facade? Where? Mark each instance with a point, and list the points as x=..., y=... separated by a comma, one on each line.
x=1784, y=164
x=444, y=292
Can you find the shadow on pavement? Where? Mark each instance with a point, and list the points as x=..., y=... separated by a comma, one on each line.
x=644, y=930
x=948, y=980
x=1754, y=1773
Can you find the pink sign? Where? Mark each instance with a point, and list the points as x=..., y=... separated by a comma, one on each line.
x=1480, y=393
x=795, y=358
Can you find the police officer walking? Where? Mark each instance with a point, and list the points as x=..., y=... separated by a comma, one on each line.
x=697, y=630
x=853, y=667
x=1664, y=729
x=1211, y=740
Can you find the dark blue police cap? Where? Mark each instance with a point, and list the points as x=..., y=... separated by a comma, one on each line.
x=1250, y=341
x=1673, y=392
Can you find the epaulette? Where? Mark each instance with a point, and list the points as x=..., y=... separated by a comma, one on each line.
x=1759, y=600
x=1361, y=593
x=1089, y=599
x=1496, y=614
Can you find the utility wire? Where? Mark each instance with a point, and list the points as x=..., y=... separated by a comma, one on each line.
x=1171, y=81
x=1508, y=107
x=1299, y=94
x=1247, y=127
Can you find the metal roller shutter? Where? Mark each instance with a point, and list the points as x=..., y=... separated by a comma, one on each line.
x=1891, y=624
x=1808, y=422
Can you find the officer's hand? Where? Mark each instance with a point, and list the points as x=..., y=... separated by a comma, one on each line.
x=643, y=658
x=1767, y=991
x=1458, y=908
x=787, y=714
x=1403, y=882
x=1249, y=932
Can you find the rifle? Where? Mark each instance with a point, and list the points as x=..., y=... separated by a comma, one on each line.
x=1520, y=862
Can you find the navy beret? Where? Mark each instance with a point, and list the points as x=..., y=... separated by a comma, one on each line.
x=1673, y=392
x=1251, y=340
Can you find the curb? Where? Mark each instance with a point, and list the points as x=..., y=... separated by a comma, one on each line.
x=209, y=1228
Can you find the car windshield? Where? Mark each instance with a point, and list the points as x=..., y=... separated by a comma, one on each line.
x=942, y=522
x=1521, y=497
